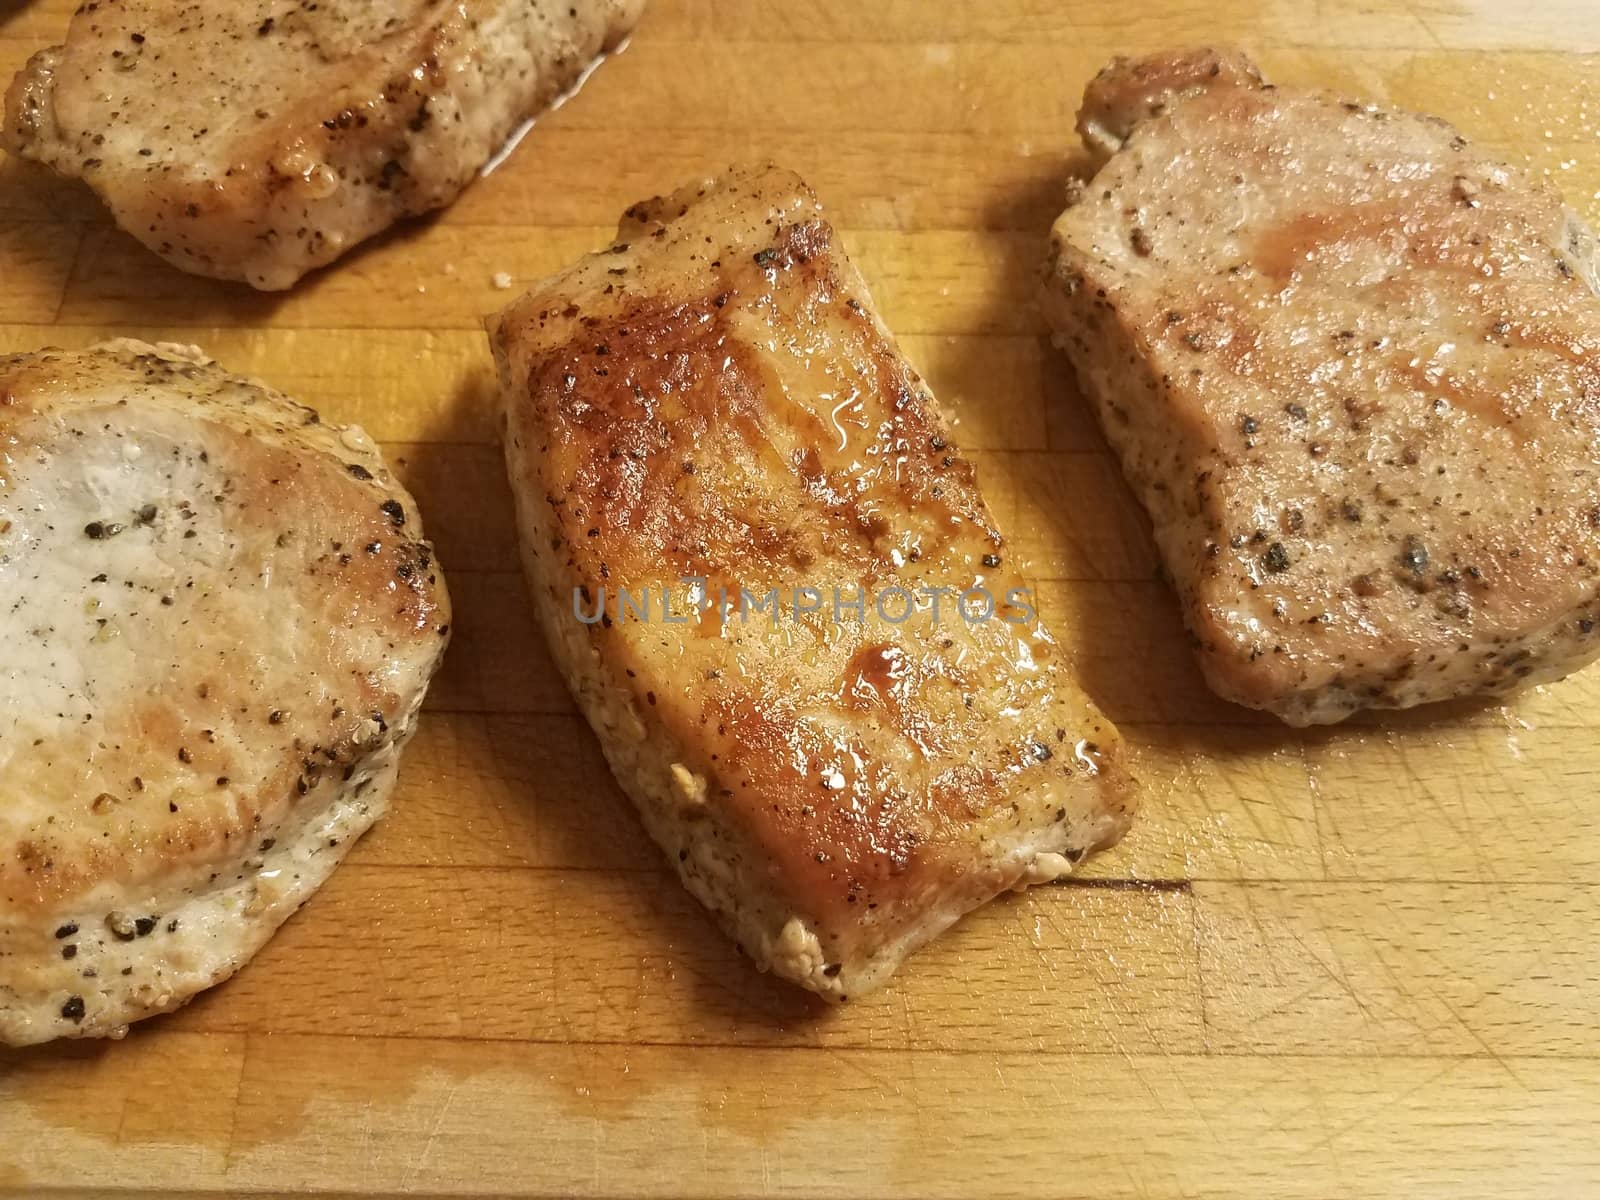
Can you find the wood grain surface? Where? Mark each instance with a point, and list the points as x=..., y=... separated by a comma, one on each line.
x=1359, y=962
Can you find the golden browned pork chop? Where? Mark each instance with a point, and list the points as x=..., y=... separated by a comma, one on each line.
x=217, y=622
x=839, y=778
x=258, y=139
x=1352, y=368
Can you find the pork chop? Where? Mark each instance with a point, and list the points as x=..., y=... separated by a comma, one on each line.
x=1352, y=369
x=259, y=139
x=219, y=619
x=712, y=399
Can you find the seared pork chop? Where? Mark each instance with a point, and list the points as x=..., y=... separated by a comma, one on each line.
x=1352, y=369
x=218, y=621
x=838, y=776
x=258, y=139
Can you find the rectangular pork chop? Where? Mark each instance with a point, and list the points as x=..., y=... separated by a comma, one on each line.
x=256, y=139
x=1352, y=369
x=714, y=398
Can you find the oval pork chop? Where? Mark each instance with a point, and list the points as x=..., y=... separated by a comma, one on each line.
x=217, y=621
x=258, y=139
x=838, y=777
x=1352, y=369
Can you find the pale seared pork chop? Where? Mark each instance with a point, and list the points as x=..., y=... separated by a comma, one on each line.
x=1352, y=369
x=258, y=139
x=217, y=621
x=714, y=397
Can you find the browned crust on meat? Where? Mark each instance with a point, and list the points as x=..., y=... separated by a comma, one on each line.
x=661, y=425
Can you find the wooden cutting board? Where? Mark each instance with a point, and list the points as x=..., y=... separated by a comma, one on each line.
x=1350, y=962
